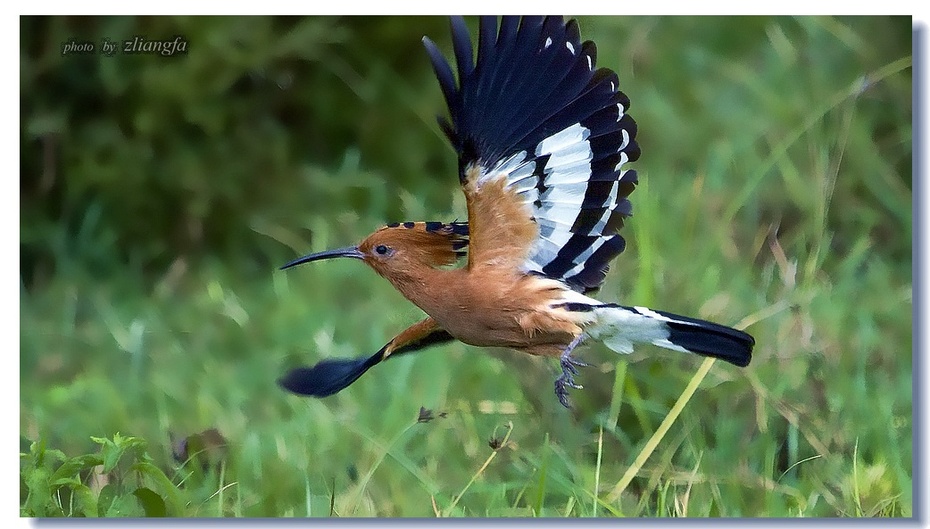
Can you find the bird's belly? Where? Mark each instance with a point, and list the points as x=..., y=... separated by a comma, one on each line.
x=480, y=330
x=505, y=330
x=519, y=312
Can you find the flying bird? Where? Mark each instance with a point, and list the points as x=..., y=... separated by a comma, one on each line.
x=543, y=139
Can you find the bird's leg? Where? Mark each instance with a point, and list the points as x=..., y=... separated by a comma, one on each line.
x=567, y=379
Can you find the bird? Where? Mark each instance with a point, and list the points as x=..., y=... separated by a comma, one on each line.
x=543, y=138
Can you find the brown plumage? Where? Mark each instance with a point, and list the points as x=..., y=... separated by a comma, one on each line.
x=489, y=302
x=494, y=303
x=542, y=139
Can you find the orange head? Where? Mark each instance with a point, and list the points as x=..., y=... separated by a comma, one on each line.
x=397, y=248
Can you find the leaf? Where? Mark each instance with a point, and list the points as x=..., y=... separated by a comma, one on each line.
x=111, y=456
x=153, y=504
x=74, y=466
x=105, y=499
x=165, y=485
x=101, y=440
x=113, y=450
x=128, y=443
x=40, y=494
x=39, y=452
x=86, y=502
x=68, y=481
x=125, y=506
x=109, y=451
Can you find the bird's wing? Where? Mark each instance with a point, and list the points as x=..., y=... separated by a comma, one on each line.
x=335, y=374
x=542, y=137
x=420, y=335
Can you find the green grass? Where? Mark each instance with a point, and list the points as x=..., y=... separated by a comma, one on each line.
x=775, y=195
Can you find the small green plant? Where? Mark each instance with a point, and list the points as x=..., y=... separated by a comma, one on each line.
x=117, y=480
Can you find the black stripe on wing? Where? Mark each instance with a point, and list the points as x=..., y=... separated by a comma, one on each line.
x=534, y=108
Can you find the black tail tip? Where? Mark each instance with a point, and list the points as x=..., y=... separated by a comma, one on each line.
x=741, y=350
x=733, y=346
x=710, y=339
x=739, y=358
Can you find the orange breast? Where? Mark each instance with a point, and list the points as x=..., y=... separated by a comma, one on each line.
x=506, y=309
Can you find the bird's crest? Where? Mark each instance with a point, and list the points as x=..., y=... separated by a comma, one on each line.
x=534, y=111
x=435, y=244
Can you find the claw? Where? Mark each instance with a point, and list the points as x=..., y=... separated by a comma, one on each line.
x=574, y=361
x=563, y=397
x=568, y=366
x=567, y=380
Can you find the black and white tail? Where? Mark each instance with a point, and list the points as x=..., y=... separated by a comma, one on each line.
x=619, y=327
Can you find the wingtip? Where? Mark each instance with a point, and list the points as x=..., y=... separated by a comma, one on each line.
x=461, y=44
x=327, y=377
x=442, y=70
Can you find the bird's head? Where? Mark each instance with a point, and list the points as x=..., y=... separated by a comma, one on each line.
x=397, y=248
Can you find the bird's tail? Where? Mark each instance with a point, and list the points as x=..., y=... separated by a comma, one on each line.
x=619, y=327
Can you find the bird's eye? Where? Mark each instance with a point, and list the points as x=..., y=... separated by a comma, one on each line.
x=381, y=249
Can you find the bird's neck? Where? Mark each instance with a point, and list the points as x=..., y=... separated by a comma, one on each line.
x=425, y=286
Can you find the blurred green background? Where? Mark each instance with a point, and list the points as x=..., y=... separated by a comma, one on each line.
x=160, y=193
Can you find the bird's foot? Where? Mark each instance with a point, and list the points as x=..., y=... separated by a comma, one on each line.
x=561, y=388
x=567, y=380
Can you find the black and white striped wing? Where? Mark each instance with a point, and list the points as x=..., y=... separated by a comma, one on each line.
x=534, y=108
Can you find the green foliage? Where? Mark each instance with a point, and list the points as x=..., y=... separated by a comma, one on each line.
x=160, y=193
x=141, y=157
x=110, y=482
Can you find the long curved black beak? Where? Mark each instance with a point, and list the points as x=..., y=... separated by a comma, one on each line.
x=348, y=251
